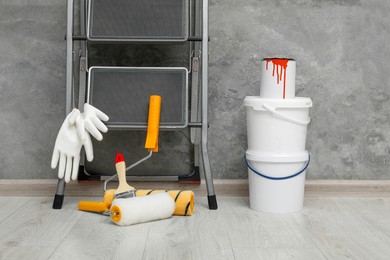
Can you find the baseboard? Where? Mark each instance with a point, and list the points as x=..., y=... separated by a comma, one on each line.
x=223, y=188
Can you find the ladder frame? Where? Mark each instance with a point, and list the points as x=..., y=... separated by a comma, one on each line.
x=203, y=48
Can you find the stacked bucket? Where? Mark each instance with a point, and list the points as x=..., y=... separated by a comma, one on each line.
x=277, y=125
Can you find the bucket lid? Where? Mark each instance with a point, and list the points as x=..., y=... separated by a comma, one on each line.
x=276, y=157
x=257, y=102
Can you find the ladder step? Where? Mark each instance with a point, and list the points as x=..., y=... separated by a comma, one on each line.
x=138, y=20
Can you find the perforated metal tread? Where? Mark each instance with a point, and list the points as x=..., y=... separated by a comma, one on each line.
x=138, y=20
x=123, y=94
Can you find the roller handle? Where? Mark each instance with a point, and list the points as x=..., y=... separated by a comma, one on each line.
x=93, y=206
x=120, y=167
x=153, y=123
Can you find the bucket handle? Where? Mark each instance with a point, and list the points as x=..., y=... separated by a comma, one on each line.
x=276, y=178
x=280, y=115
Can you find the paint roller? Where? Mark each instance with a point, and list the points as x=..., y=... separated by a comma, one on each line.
x=184, y=200
x=151, y=143
x=126, y=208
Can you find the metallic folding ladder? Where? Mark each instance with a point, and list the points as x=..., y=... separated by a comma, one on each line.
x=98, y=25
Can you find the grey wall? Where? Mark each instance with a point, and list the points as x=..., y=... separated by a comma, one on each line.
x=342, y=52
x=32, y=76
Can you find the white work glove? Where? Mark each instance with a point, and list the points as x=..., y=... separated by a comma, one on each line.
x=67, y=148
x=90, y=122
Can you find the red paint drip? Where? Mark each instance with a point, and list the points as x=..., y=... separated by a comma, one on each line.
x=280, y=65
x=119, y=158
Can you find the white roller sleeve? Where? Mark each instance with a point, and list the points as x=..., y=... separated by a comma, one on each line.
x=143, y=209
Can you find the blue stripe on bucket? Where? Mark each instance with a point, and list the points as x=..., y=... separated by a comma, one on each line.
x=276, y=178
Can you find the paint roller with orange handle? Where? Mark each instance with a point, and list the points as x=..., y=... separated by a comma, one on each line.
x=124, y=189
x=184, y=200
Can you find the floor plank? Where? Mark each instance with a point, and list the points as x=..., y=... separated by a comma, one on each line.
x=9, y=204
x=277, y=254
x=96, y=236
x=327, y=228
x=376, y=211
x=201, y=236
x=25, y=252
x=36, y=224
x=341, y=233
x=265, y=230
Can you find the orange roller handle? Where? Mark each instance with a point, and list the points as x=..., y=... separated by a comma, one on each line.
x=93, y=206
x=153, y=123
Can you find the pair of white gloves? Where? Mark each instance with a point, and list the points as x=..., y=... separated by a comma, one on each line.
x=74, y=133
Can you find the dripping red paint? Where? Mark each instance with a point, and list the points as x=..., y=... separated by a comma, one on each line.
x=280, y=65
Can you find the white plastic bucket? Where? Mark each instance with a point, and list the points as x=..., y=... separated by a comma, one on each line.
x=277, y=125
x=278, y=78
x=276, y=182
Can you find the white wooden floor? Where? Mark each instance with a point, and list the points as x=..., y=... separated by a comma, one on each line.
x=328, y=228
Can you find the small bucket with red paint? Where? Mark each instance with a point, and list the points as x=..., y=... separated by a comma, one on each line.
x=278, y=78
x=277, y=125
